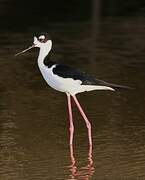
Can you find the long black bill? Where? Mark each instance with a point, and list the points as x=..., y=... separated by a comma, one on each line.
x=25, y=50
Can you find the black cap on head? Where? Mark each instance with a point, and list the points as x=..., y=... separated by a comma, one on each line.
x=43, y=37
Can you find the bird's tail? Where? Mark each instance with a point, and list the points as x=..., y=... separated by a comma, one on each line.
x=116, y=86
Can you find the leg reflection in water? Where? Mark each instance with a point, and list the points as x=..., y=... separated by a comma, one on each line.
x=84, y=172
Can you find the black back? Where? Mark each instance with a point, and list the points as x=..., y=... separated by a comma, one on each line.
x=69, y=72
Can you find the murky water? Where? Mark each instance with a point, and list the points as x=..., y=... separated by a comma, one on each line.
x=34, y=119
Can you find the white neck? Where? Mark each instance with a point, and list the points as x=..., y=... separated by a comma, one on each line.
x=44, y=50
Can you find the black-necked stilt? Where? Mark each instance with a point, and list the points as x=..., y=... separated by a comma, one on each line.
x=68, y=80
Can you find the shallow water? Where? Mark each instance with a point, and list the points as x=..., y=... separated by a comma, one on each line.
x=34, y=119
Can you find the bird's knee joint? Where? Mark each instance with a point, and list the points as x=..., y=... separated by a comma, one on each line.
x=71, y=129
x=89, y=125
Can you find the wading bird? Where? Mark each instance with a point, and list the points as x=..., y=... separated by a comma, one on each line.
x=68, y=80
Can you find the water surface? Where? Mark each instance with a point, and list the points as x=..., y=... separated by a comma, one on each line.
x=34, y=119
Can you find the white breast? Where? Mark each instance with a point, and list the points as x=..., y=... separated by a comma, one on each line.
x=67, y=85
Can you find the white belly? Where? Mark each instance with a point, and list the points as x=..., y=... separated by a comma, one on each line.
x=67, y=85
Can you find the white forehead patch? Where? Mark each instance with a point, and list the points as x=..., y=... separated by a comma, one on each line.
x=42, y=37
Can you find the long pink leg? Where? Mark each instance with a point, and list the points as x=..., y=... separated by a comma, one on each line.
x=88, y=124
x=71, y=126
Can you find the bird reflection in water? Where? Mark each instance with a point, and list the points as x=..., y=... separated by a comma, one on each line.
x=84, y=172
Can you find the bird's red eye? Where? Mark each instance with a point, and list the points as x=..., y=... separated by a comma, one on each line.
x=41, y=40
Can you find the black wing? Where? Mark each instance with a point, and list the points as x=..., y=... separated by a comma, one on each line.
x=69, y=72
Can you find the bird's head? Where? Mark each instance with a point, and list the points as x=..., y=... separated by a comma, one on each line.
x=42, y=41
